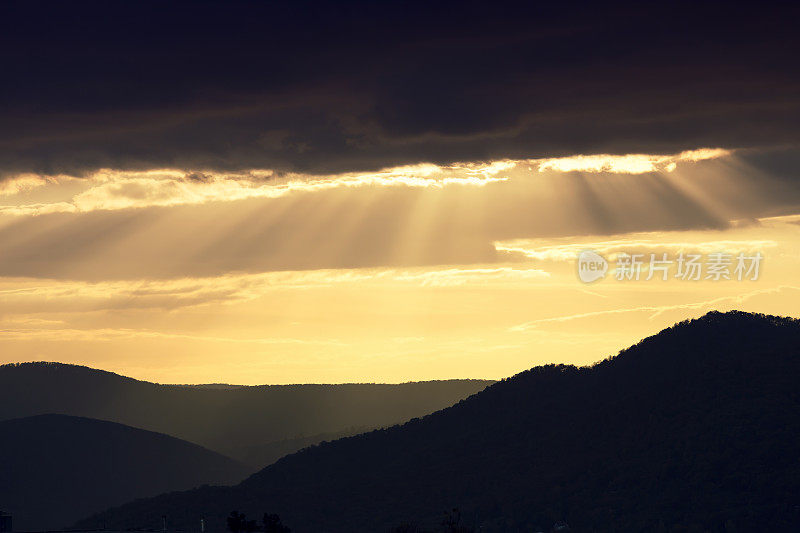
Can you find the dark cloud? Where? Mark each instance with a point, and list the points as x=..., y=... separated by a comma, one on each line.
x=198, y=177
x=344, y=86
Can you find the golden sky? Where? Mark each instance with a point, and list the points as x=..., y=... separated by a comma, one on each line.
x=409, y=273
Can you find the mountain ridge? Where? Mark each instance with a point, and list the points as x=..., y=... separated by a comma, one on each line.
x=57, y=468
x=58, y=365
x=225, y=419
x=690, y=428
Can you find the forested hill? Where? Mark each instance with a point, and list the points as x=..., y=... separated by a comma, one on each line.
x=56, y=468
x=693, y=429
x=240, y=421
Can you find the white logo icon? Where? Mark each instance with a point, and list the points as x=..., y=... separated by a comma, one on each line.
x=591, y=266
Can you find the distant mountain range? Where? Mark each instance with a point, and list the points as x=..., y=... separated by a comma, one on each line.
x=55, y=469
x=694, y=429
x=253, y=424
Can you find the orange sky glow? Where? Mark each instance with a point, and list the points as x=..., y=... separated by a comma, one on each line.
x=409, y=273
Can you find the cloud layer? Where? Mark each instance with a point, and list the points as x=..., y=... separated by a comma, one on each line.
x=115, y=224
x=354, y=86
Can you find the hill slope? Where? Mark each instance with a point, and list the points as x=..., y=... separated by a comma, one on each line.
x=228, y=419
x=696, y=428
x=57, y=468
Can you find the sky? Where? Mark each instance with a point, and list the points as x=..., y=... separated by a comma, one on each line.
x=295, y=193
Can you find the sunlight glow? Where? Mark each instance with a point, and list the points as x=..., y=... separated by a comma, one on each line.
x=109, y=189
x=630, y=163
x=397, y=274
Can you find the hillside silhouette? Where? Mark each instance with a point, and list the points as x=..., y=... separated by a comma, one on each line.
x=248, y=423
x=693, y=429
x=269, y=452
x=56, y=468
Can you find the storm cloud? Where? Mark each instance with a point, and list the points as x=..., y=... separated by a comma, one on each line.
x=359, y=86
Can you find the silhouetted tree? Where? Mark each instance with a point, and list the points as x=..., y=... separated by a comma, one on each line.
x=452, y=523
x=272, y=524
x=235, y=522
x=238, y=523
